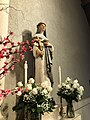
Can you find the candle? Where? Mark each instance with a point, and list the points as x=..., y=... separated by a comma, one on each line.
x=59, y=75
x=25, y=67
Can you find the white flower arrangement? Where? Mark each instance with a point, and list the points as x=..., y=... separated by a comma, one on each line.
x=36, y=97
x=19, y=84
x=70, y=89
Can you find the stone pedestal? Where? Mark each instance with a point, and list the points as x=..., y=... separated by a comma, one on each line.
x=77, y=117
x=52, y=115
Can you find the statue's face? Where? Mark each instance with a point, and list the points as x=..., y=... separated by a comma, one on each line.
x=42, y=28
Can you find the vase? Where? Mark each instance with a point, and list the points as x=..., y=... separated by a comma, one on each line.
x=70, y=109
x=35, y=116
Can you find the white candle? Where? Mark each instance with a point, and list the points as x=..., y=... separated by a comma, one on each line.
x=25, y=67
x=59, y=75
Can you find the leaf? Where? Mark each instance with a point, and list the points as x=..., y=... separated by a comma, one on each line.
x=39, y=109
x=33, y=110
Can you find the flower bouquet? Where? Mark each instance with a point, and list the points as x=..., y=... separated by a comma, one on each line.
x=70, y=90
x=36, y=98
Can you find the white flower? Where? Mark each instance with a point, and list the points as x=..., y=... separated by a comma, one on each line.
x=71, y=87
x=68, y=80
x=63, y=84
x=79, y=97
x=75, y=81
x=31, y=81
x=34, y=91
x=59, y=86
x=81, y=88
x=67, y=86
x=81, y=93
x=16, y=88
x=78, y=85
x=44, y=84
x=29, y=86
x=39, y=88
x=19, y=84
x=49, y=88
x=44, y=91
x=25, y=96
x=74, y=86
x=19, y=93
x=38, y=105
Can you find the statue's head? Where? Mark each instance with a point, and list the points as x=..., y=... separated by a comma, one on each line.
x=41, y=23
x=41, y=28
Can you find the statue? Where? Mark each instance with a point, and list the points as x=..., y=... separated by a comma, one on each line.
x=42, y=51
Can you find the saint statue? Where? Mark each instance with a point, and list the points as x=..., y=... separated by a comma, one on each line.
x=42, y=51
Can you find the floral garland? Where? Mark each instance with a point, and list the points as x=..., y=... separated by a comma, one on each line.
x=5, y=93
x=21, y=89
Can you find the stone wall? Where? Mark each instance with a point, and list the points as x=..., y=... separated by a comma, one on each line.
x=67, y=30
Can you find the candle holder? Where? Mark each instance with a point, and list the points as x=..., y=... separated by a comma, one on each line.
x=61, y=113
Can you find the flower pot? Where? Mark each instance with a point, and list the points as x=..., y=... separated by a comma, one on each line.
x=70, y=110
x=35, y=116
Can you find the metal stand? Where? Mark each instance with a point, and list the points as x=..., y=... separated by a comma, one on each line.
x=61, y=113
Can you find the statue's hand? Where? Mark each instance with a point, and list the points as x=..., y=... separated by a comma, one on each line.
x=39, y=53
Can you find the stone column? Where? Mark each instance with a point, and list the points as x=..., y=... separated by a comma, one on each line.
x=3, y=33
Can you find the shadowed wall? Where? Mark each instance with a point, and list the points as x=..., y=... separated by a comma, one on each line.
x=67, y=30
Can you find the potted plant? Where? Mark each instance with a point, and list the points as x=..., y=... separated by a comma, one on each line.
x=70, y=90
x=35, y=98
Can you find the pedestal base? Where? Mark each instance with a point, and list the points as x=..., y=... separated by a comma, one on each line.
x=77, y=117
x=1, y=117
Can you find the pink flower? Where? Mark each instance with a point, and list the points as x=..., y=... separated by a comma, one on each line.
x=12, y=67
x=10, y=49
x=1, y=96
x=22, y=56
x=5, y=69
x=16, y=51
x=12, y=44
x=5, y=38
x=5, y=43
x=9, y=91
x=26, y=90
x=6, y=63
x=4, y=49
x=13, y=57
x=24, y=48
x=18, y=43
x=1, y=55
x=27, y=42
x=30, y=48
x=33, y=41
x=23, y=43
x=18, y=60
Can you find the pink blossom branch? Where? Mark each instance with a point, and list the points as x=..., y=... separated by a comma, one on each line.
x=10, y=52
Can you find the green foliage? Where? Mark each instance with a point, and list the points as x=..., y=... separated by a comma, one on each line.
x=70, y=90
x=37, y=99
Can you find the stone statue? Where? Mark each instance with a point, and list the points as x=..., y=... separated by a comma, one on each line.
x=42, y=51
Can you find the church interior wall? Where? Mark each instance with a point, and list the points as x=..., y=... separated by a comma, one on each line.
x=67, y=30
